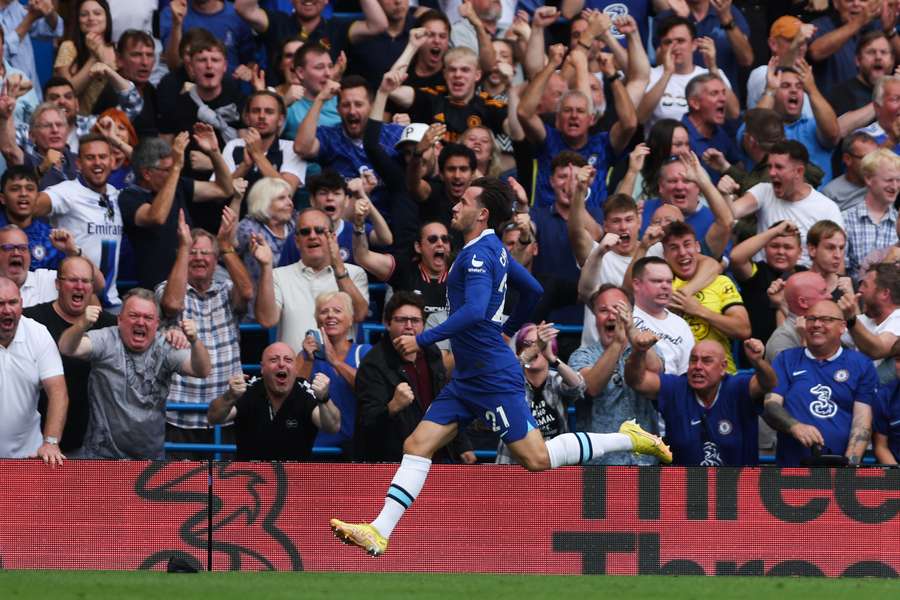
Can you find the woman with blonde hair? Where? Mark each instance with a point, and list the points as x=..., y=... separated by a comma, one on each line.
x=481, y=141
x=330, y=350
x=270, y=215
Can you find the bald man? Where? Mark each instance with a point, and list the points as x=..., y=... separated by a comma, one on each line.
x=29, y=361
x=711, y=416
x=795, y=296
x=824, y=395
x=277, y=416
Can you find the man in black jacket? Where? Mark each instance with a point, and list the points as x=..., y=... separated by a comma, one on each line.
x=394, y=391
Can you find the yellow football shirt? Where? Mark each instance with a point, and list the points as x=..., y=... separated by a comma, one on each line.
x=718, y=297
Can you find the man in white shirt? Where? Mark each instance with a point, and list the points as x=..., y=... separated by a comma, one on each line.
x=652, y=281
x=665, y=97
x=286, y=296
x=88, y=207
x=787, y=196
x=29, y=361
x=876, y=330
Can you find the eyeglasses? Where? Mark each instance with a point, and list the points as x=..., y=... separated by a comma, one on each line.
x=812, y=320
x=307, y=231
x=407, y=320
x=14, y=248
x=82, y=280
x=198, y=252
x=433, y=238
x=105, y=203
x=59, y=125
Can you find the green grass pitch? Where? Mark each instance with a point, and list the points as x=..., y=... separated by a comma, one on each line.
x=97, y=585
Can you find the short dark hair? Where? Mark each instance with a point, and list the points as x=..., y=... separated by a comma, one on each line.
x=329, y=179
x=795, y=235
x=637, y=271
x=351, y=82
x=269, y=94
x=619, y=203
x=669, y=23
x=765, y=126
x=195, y=35
x=568, y=158
x=57, y=81
x=856, y=136
x=403, y=298
x=450, y=150
x=306, y=49
x=605, y=288
x=18, y=172
x=497, y=197
x=866, y=39
x=794, y=149
x=887, y=277
x=677, y=229
x=206, y=43
x=432, y=15
x=133, y=36
x=90, y=139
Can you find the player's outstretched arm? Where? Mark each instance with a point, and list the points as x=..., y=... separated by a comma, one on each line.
x=474, y=309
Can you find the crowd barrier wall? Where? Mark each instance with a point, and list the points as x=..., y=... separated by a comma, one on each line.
x=485, y=518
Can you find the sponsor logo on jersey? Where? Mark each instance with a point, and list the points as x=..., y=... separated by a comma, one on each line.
x=291, y=424
x=711, y=456
x=614, y=11
x=477, y=263
x=696, y=421
x=800, y=372
x=822, y=407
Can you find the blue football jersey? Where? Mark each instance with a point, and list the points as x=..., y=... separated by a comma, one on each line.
x=886, y=417
x=476, y=293
x=726, y=433
x=821, y=393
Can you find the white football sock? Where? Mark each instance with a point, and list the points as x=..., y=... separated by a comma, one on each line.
x=405, y=487
x=578, y=448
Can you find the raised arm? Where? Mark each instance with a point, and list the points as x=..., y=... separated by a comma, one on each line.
x=375, y=22
x=305, y=143
x=265, y=309
x=637, y=76
x=827, y=127
x=345, y=282
x=579, y=220
x=416, y=169
x=874, y=345
x=242, y=283
x=742, y=254
x=653, y=96
x=826, y=45
x=530, y=121
x=250, y=12
x=486, y=57
x=535, y=57
x=8, y=146
x=73, y=342
x=222, y=409
x=764, y=379
x=381, y=233
x=743, y=52
x=223, y=187
x=172, y=302
x=178, y=10
x=326, y=415
x=719, y=233
x=157, y=211
x=645, y=381
x=198, y=363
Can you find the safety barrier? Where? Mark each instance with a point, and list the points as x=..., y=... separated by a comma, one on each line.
x=484, y=518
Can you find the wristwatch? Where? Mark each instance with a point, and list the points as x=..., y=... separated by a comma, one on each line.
x=851, y=322
x=612, y=78
x=53, y=441
x=555, y=363
x=729, y=26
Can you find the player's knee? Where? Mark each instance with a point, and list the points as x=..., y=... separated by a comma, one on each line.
x=540, y=462
x=414, y=447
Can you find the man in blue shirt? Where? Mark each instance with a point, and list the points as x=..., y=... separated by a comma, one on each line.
x=217, y=17
x=340, y=147
x=705, y=121
x=886, y=420
x=785, y=87
x=824, y=395
x=315, y=69
x=711, y=416
x=18, y=195
x=487, y=380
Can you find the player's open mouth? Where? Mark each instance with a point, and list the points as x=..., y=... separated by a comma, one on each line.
x=16, y=261
x=139, y=334
x=329, y=208
x=7, y=322
x=610, y=327
x=435, y=51
x=720, y=111
x=624, y=238
x=77, y=298
x=24, y=204
x=281, y=376
x=97, y=171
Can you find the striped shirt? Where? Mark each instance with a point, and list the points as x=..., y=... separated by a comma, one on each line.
x=217, y=328
x=865, y=235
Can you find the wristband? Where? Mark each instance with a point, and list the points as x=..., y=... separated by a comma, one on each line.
x=52, y=440
x=343, y=275
x=227, y=251
x=612, y=78
x=555, y=363
x=729, y=26
x=851, y=322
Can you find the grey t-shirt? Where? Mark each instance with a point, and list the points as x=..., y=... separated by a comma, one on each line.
x=127, y=393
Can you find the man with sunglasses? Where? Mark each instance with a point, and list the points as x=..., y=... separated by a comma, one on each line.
x=150, y=206
x=88, y=207
x=286, y=296
x=394, y=390
x=824, y=395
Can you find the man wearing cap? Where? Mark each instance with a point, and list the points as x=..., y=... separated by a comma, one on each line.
x=788, y=39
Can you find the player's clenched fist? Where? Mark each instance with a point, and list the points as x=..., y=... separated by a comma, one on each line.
x=320, y=385
x=91, y=314
x=754, y=349
x=189, y=327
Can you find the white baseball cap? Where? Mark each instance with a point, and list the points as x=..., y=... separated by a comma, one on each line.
x=414, y=132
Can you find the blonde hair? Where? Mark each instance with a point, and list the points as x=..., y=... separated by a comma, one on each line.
x=261, y=195
x=344, y=297
x=494, y=168
x=461, y=52
x=877, y=160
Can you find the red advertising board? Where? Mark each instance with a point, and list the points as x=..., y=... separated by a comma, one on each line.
x=495, y=519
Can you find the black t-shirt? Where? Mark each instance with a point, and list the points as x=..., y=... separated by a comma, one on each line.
x=753, y=291
x=76, y=372
x=438, y=206
x=410, y=276
x=849, y=95
x=283, y=26
x=432, y=105
x=371, y=57
x=288, y=435
x=432, y=81
x=155, y=247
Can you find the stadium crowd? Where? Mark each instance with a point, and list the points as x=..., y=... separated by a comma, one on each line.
x=706, y=189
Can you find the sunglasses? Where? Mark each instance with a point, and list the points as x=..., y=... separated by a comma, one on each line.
x=105, y=203
x=307, y=231
x=433, y=238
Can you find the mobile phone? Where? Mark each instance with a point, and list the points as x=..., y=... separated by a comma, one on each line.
x=317, y=335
